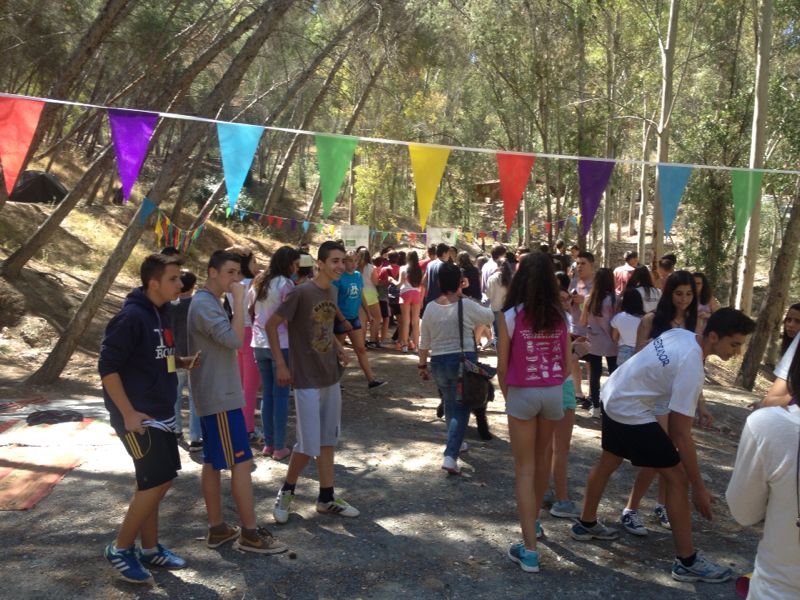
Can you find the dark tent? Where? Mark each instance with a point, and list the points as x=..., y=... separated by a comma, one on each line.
x=38, y=186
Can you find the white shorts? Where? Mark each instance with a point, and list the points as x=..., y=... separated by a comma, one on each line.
x=319, y=416
x=528, y=402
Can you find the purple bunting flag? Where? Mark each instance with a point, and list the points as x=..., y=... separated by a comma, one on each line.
x=593, y=176
x=131, y=132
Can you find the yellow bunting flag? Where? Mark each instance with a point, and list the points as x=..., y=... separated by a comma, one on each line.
x=332, y=229
x=534, y=228
x=158, y=230
x=427, y=164
x=469, y=237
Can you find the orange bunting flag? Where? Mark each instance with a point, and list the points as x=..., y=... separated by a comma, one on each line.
x=427, y=164
x=514, y=171
x=18, y=121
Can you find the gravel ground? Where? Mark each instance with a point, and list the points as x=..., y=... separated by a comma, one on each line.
x=421, y=534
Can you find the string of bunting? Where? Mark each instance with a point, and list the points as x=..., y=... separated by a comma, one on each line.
x=167, y=233
x=132, y=132
x=399, y=235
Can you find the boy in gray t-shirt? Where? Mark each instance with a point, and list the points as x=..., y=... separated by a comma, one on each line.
x=315, y=356
x=219, y=401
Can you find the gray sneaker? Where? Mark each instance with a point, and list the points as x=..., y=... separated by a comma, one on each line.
x=597, y=532
x=702, y=570
x=565, y=509
x=632, y=523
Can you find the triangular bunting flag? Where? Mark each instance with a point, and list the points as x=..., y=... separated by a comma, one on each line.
x=306, y=225
x=18, y=121
x=469, y=237
x=270, y=219
x=746, y=188
x=514, y=171
x=593, y=176
x=131, y=132
x=334, y=154
x=671, y=184
x=427, y=164
x=148, y=206
x=237, y=145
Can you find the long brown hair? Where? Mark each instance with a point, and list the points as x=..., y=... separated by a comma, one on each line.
x=602, y=288
x=535, y=286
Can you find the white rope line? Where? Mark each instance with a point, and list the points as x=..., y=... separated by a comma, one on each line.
x=573, y=157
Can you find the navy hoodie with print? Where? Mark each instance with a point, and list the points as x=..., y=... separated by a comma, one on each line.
x=136, y=345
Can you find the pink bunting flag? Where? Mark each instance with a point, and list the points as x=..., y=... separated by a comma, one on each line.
x=514, y=171
x=131, y=132
x=19, y=118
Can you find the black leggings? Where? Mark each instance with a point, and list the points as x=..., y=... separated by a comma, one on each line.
x=595, y=369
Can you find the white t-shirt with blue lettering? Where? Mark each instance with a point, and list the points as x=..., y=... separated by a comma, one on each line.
x=669, y=369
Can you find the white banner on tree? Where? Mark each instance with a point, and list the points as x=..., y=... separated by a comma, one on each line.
x=354, y=236
x=446, y=235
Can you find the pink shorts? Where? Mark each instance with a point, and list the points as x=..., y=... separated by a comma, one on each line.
x=411, y=297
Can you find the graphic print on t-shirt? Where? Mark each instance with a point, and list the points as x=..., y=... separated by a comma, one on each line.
x=323, y=315
x=542, y=355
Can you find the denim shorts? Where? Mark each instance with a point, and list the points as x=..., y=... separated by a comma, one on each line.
x=338, y=327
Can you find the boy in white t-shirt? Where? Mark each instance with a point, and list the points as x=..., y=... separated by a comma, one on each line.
x=669, y=368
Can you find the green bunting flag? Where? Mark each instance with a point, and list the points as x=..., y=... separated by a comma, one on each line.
x=334, y=154
x=746, y=186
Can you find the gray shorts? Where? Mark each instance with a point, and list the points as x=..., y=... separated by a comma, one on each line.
x=319, y=417
x=528, y=402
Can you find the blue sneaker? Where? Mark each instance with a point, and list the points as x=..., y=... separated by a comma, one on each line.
x=127, y=564
x=528, y=560
x=539, y=530
x=702, y=570
x=660, y=512
x=597, y=532
x=162, y=558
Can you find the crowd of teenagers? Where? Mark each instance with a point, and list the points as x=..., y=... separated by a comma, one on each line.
x=551, y=318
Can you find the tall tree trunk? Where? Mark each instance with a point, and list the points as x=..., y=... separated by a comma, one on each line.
x=644, y=190
x=189, y=180
x=12, y=266
x=775, y=299
x=747, y=270
x=667, y=99
x=112, y=12
x=278, y=184
x=222, y=92
x=348, y=128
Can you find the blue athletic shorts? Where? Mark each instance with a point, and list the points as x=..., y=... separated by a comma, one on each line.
x=225, y=441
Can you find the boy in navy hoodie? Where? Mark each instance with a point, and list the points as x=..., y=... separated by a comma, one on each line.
x=137, y=366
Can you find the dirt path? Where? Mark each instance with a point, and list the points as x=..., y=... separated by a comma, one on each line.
x=421, y=534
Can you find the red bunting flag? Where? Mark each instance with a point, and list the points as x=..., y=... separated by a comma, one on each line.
x=413, y=236
x=280, y=222
x=270, y=219
x=548, y=227
x=514, y=171
x=18, y=120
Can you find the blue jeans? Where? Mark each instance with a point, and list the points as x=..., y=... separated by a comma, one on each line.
x=624, y=353
x=195, y=434
x=444, y=369
x=274, y=399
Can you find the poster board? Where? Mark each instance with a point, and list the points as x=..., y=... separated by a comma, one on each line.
x=447, y=235
x=354, y=236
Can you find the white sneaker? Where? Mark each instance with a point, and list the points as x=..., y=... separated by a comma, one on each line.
x=596, y=412
x=282, y=506
x=450, y=465
x=464, y=447
x=337, y=507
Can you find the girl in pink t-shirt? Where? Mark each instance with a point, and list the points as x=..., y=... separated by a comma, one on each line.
x=532, y=363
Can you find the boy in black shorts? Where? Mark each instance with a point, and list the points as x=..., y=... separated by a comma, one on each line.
x=137, y=366
x=669, y=369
